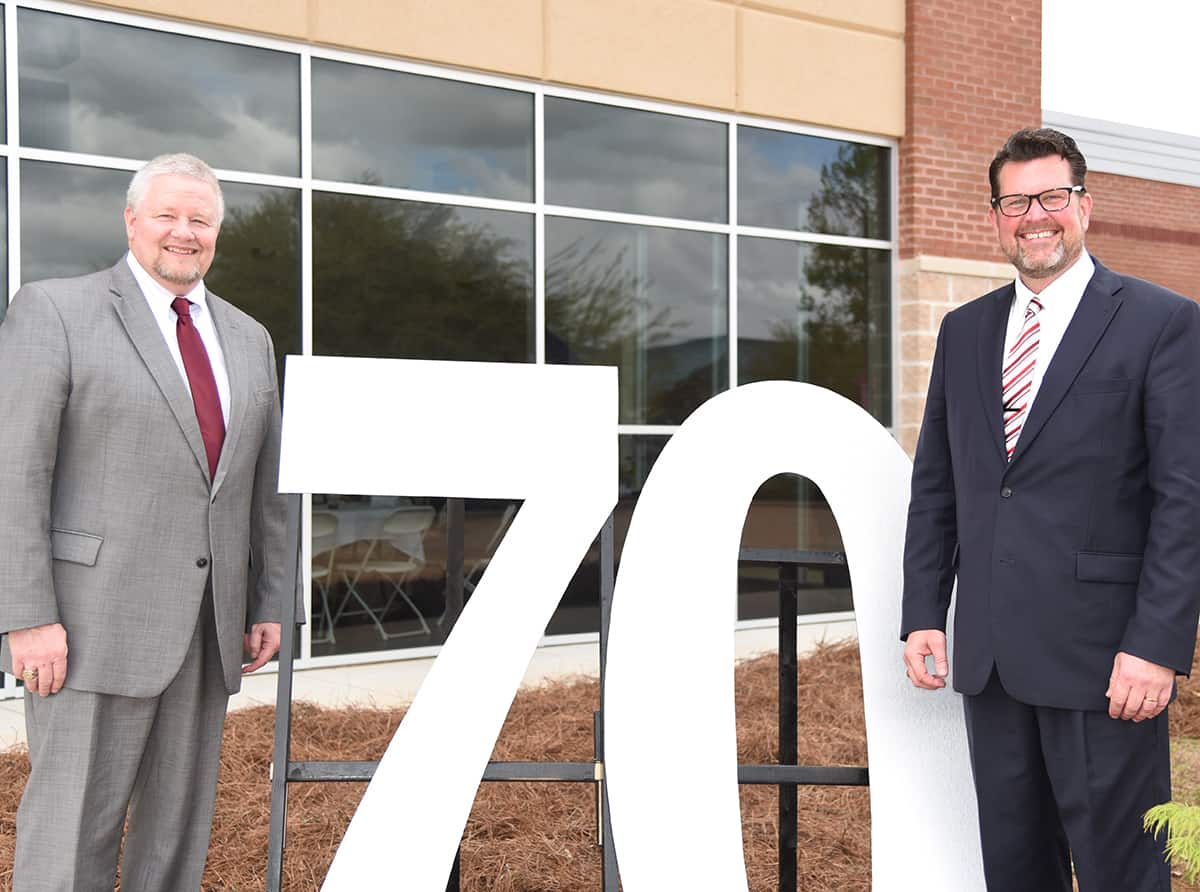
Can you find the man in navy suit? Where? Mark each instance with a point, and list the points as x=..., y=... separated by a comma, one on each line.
x=1058, y=477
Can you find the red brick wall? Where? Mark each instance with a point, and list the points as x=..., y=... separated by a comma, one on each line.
x=974, y=76
x=1147, y=229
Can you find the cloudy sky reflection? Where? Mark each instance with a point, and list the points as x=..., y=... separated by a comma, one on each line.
x=780, y=175
x=235, y=106
x=637, y=162
x=413, y=132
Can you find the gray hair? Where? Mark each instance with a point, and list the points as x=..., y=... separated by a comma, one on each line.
x=179, y=164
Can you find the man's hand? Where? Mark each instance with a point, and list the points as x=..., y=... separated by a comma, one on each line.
x=921, y=644
x=262, y=643
x=41, y=650
x=1138, y=689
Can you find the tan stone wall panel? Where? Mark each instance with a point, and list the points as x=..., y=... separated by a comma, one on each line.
x=878, y=15
x=679, y=50
x=812, y=72
x=930, y=287
x=494, y=35
x=283, y=18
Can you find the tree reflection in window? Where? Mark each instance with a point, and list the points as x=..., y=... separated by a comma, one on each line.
x=821, y=313
x=413, y=280
x=813, y=184
x=257, y=265
x=650, y=301
x=852, y=197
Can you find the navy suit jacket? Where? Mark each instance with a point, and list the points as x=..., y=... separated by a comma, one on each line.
x=1088, y=542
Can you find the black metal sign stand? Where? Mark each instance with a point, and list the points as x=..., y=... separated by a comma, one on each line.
x=787, y=775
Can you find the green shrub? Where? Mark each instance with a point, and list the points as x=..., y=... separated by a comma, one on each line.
x=1182, y=825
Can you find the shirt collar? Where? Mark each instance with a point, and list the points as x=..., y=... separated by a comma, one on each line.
x=1067, y=289
x=160, y=298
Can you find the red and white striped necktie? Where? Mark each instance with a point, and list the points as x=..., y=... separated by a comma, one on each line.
x=1017, y=378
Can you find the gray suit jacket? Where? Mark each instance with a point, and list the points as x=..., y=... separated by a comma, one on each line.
x=109, y=523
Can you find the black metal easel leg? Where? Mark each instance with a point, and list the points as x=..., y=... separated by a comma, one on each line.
x=455, y=879
x=609, y=875
x=283, y=703
x=788, y=708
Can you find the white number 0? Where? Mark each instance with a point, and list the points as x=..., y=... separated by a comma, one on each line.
x=547, y=435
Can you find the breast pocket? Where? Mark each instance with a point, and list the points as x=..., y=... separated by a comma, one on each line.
x=1088, y=423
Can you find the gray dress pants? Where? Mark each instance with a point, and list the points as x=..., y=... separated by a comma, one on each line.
x=99, y=758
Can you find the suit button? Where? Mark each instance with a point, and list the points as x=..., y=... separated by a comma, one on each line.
x=1006, y=492
x=201, y=563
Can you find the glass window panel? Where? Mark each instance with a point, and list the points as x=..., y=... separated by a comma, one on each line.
x=579, y=610
x=817, y=313
x=790, y=512
x=348, y=534
x=412, y=280
x=639, y=162
x=3, y=87
x=71, y=219
x=787, y=512
x=391, y=128
x=234, y=106
x=3, y=238
x=72, y=224
x=812, y=184
x=648, y=300
x=257, y=266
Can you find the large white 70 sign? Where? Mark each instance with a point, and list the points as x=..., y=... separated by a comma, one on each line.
x=547, y=434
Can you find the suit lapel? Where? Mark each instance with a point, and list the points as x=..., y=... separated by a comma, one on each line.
x=990, y=354
x=1096, y=310
x=134, y=313
x=229, y=333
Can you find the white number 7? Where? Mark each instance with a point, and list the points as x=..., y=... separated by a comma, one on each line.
x=543, y=434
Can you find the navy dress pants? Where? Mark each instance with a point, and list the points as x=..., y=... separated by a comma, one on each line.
x=1057, y=786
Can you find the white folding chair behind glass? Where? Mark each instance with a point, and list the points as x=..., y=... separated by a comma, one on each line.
x=473, y=569
x=324, y=549
x=391, y=559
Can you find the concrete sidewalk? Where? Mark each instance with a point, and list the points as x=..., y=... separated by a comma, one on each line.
x=395, y=682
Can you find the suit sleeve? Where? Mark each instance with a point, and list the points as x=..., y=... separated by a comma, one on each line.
x=268, y=511
x=930, y=538
x=35, y=383
x=1163, y=626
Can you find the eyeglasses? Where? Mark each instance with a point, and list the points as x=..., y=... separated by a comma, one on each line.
x=1018, y=204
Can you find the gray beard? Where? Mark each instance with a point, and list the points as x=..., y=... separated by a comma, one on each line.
x=189, y=277
x=1055, y=263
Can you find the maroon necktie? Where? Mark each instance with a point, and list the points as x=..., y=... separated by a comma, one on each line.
x=203, y=384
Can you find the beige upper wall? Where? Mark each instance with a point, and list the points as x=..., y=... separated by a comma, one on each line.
x=837, y=63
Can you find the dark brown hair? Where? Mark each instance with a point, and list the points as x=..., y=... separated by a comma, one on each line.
x=1029, y=145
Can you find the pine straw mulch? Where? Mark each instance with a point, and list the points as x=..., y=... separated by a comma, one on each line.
x=526, y=837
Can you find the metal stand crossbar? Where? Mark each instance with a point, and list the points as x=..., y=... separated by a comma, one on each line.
x=787, y=775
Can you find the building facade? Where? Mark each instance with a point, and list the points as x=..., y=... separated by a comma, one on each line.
x=703, y=193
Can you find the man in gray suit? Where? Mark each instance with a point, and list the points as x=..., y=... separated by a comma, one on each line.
x=141, y=541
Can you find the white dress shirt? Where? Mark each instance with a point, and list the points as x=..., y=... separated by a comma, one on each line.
x=1059, y=301
x=160, y=300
